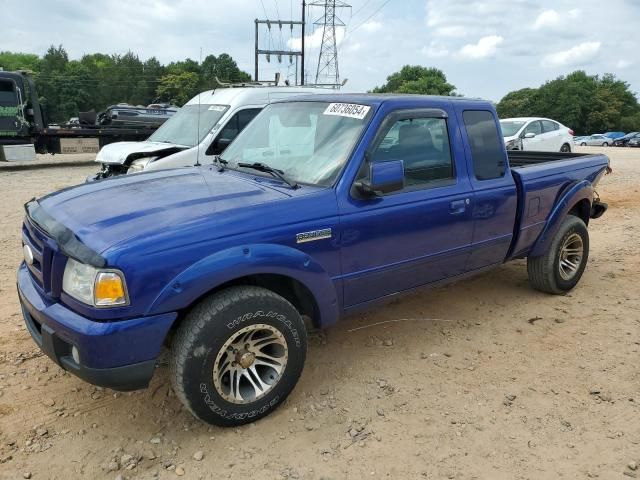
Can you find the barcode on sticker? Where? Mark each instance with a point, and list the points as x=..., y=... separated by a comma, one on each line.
x=351, y=110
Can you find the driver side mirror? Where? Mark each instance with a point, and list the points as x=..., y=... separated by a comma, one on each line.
x=218, y=146
x=384, y=177
x=529, y=135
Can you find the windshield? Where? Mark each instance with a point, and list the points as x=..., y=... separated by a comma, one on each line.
x=182, y=128
x=309, y=141
x=510, y=128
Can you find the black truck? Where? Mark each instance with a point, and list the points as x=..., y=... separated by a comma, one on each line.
x=23, y=121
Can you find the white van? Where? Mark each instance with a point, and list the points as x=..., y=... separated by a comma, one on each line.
x=203, y=127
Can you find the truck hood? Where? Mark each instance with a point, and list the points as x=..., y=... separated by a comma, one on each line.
x=108, y=212
x=118, y=153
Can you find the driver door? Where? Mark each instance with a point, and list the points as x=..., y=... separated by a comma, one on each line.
x=417, y=235
x=535, y=143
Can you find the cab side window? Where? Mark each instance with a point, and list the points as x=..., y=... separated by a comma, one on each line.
x=487, y=147
x=423, y=145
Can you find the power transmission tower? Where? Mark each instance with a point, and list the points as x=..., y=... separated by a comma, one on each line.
x=328, y=72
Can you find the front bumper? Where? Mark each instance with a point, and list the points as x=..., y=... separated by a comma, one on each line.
x=120, y=354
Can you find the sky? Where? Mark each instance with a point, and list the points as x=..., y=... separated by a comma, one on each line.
x=485, y=47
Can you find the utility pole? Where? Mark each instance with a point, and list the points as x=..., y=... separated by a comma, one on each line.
x=278, y=53
x=328, y=59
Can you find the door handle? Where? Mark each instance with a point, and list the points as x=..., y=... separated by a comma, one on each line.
x=458, y=206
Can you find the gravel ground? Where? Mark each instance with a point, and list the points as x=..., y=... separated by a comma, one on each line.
x=483, y=379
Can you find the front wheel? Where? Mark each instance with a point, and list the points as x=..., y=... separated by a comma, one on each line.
x=583, y=144
x=562, y=266
x=238, y=355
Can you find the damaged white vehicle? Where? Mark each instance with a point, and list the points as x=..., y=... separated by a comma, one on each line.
x=202, y=128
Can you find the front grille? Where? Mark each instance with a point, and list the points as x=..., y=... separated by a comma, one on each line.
x=42, y=255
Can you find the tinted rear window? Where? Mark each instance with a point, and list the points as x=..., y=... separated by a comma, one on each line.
x=486, y=146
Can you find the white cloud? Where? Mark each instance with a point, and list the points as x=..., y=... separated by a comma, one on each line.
x=372, y=26
x=453, y=31
x=485, y=47
x=574, y=13
x=434, y=50
x=622, y=64
x=314, y=40
x=548, y=18
x=578, y=55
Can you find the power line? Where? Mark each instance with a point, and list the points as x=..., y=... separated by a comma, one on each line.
x=277, y=9
x=344, y=39
x=361, y=8
x=384, y=4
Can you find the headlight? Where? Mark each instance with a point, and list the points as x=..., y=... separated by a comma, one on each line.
x=511, y=144
x=139, y=165
x=97, y=287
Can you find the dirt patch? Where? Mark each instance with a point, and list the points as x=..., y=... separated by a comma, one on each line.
x=483, y=379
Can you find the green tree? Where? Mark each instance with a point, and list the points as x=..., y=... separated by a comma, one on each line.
x=19, y=61
x=518, y=103
x=417, y=79
x=97, y=80
x=178, y=88
x=585, y=103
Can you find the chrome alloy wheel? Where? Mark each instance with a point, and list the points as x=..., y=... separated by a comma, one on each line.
x=250, y=363
x=571, y=255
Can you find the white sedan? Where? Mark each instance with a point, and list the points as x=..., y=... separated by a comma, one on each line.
x=539, y=134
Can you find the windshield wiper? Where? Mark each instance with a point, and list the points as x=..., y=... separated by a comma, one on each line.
x=221, y=162
x=261, y=167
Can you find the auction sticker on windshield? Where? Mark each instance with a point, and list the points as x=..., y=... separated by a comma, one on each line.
x=217, y=108
x=351, y=110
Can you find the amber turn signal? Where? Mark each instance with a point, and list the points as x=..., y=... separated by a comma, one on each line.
x=110, y=290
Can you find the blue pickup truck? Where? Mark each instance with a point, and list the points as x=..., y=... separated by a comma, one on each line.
x=322, y=206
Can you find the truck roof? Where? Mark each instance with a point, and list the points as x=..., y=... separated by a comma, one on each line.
x=249, y=95
x=376, y=99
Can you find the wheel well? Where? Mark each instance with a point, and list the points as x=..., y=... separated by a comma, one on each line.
x=289, y=288
x=582, y=210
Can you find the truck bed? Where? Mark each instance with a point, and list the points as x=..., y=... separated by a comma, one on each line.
x=520, y=159
x=541, y=178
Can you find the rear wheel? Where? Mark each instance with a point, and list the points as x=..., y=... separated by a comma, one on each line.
x=605, y=144
x=238, y=355
x=562, y=266
x=565, y=148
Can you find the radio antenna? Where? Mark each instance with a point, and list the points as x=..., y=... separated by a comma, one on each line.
x=198, y=132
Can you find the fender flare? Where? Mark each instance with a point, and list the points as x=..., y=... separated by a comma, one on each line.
x=244, y=260
x=575, y=193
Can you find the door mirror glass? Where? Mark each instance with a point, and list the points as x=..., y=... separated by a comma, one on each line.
x=384, y=177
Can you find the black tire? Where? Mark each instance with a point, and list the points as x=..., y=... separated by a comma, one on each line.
x=199, y=341
x=565, y=148
x=545, y=272
x=605, y=144
x=583, y=144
